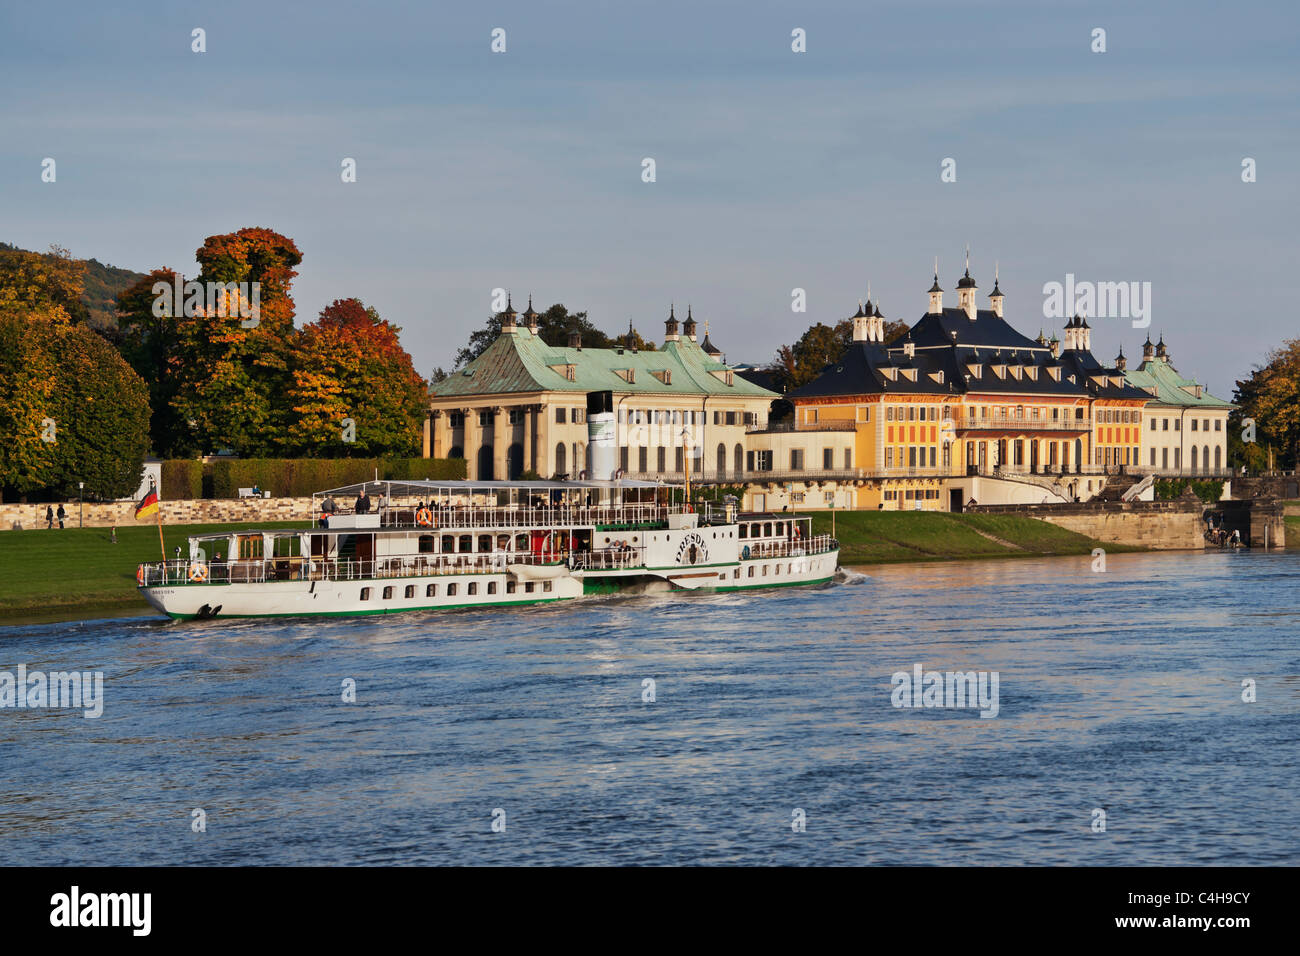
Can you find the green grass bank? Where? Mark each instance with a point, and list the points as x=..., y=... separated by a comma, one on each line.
x=80, y=569
x=877, y=537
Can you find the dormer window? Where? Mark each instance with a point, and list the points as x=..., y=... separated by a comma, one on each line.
x=974, y=369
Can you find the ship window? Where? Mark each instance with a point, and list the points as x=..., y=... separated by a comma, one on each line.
x=510, y=587
x=410, y=591
x=751, y=570
x=744, y=531
x=451, y=589
x=767, y=529
x=528, y=587
x=431, y=591
x=765, y=570
x=473, y=588
x=465, y=544
x=492, y=587
x=777, y=569
x=780, y=528
x=388, y=593
x=485, y=542
x=365, y=594
x=448, y=544
x=521, y=542
x=736, y=573
x=426, y=544
x=547, y=585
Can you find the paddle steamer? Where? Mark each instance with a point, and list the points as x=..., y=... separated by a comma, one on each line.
x=437, y=545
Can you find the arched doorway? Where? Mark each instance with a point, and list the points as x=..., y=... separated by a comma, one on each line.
x=515, y=461
x=561, y=459
x=722, y=461
x=455, y=452
x=484, y=472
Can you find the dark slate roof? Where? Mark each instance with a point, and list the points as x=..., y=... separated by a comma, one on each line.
x=987, y=331
x=935, y=287
x=985, y=355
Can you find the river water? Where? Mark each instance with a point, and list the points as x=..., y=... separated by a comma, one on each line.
x=1118, y=691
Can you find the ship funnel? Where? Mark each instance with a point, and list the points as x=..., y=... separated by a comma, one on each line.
x=601, y=442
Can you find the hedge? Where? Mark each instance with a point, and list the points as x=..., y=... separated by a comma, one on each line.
x=1209, y=490
x=182, y=478
x=295, y=477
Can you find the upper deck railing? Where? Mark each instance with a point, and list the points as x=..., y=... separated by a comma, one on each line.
x=521, y=516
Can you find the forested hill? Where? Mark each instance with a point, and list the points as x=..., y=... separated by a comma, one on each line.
x=102, y=285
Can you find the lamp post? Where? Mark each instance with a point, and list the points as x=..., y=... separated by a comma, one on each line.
x=81, y=494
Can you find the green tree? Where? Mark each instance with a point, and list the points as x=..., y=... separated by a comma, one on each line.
x=71, y=409
x=231, y=378
x=554, y=327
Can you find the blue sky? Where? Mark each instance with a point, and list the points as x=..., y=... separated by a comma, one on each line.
x=775, y=170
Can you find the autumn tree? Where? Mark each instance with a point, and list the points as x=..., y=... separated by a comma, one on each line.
x=349, y=365
x=71, y=409
x=29, y=280
x=1270, y=397
x=232, y=373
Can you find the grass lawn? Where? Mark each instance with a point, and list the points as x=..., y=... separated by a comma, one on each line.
x=872, y=537
x=82, y=570
x=1292, y=531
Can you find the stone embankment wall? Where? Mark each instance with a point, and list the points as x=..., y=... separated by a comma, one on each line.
x=1270, y=486
x=191, y=511
x=1157, y=525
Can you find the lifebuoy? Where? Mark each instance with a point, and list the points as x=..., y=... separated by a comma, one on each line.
x=424, y=518
x=139, y=575
x=198, y=572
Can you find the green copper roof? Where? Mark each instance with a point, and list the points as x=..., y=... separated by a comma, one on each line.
x=1161, y=380
x=521, y=362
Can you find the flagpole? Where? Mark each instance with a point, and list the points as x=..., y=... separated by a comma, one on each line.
x=161, y=544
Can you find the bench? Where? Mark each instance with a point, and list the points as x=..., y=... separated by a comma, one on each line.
x=248, y=493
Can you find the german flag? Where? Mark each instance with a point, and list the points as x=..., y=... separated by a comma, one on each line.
x=148, y=505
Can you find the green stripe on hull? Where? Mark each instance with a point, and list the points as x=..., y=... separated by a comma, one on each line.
x=371, y=612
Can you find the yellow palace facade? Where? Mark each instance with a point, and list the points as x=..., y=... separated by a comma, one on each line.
x=963, y=408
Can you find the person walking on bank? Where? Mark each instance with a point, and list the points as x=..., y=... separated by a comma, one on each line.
x=61, y=514
x=49, y=517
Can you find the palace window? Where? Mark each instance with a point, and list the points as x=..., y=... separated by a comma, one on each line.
x=456, y=419
x=828, y=458
x=559, y=415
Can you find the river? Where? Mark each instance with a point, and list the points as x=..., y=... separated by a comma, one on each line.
x=1119, y=691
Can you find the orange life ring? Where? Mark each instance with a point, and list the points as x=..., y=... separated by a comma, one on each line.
x=198, y=572
x=424, y=518
x=139, y=575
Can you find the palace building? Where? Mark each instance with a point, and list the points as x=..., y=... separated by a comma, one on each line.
x=1185, y=428
x=520, y=406
x=963, y=408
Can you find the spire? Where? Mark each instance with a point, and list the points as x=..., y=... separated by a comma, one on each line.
x=670, y=325
x=966, y=282
x=860, y=314
x=688, y=327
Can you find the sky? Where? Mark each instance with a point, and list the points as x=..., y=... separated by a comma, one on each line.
x=774, y=170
